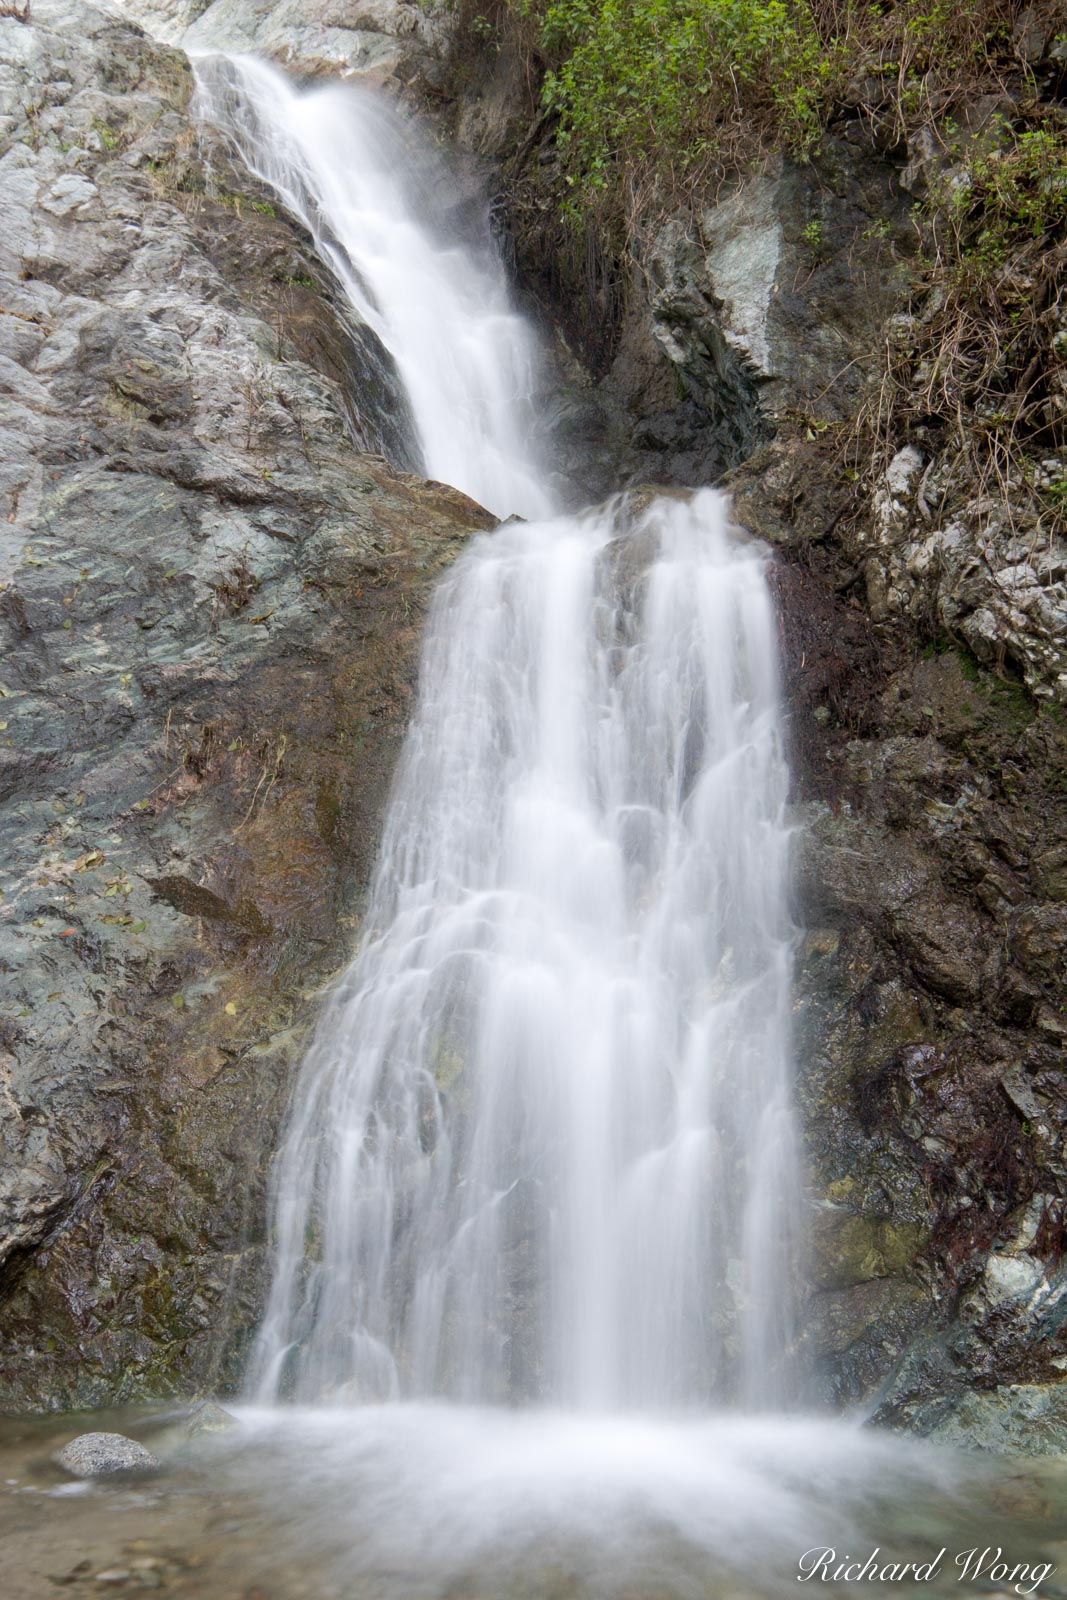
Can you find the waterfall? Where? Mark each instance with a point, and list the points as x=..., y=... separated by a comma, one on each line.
x=541, y=1147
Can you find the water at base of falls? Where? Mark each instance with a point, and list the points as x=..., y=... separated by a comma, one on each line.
x=433, y=1502
x=543, y=1147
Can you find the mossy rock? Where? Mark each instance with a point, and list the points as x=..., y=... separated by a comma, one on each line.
x=848, y=1248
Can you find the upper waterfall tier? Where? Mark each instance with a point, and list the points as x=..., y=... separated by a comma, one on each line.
x=375, y=201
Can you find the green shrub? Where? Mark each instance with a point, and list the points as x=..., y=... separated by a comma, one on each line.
x=650, y=96
x=661, y=87
x=985, y=364
x=1007, y=195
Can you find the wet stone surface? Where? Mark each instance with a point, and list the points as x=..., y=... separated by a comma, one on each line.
x=210, y=607
x=97, y=1455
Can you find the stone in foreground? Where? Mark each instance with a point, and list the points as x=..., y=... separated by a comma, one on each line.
x=96, y=1455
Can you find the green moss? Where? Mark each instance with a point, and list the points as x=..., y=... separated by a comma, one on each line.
x=1007, y=698
x=969, y=667
x=1010, y=699
x=849, y=1248
x=239, y=202
x=941, y=645
x=107, y=138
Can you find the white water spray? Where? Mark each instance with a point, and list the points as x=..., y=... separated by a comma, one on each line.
x=542, y=1145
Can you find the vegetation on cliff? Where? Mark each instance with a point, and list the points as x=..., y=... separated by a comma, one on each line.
x=649, y=96
x=978, y=365
x=648, y=108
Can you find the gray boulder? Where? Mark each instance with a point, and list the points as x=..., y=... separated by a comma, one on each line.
x=98, y=1455
x=208, y=1418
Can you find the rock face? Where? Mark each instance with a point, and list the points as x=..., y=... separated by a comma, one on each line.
x=750, y=315
x=1014, y=1418
x=932, y=822
x=993, y=574
x=209, y=612
x=387, y=41
x=762, y=313
x=99, y=1455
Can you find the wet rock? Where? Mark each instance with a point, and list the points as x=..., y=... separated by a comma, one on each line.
x=1050, y=870
x=849, y=1248
x=208, y=1418
x=1039, y=941
x=1027, y=1419
x=1008, y=1278
x=210, y=607
x=98, y=1455
x=842, y=1317
x=994, y=577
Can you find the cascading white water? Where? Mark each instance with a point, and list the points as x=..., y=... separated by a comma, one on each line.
x=542, y=1145
x=375, y=202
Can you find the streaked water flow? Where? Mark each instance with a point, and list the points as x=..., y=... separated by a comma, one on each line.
x=376, y=202
x=542, y=1145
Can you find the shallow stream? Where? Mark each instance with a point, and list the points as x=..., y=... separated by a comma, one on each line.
x=432, y=1502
